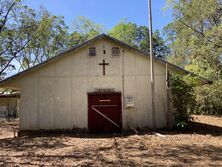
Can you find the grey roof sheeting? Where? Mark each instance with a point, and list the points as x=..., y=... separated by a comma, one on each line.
x=204, y=80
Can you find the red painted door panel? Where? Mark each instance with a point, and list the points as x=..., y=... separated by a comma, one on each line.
x=104, y=112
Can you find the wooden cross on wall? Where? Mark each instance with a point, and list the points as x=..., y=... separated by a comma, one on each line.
x=104, y=64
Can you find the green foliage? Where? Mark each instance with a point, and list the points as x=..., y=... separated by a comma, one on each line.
x=29, y=37
x=209, y=99
x=49, y=36
x=195, y=34
x=125, y=31
x=138, y=36
x=181, y=124
x=183, y=99
x=195, y=42
x=13, y=38
x=83, y=30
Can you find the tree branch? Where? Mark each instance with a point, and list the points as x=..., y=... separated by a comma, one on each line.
x=13, y=57
x=1, y=53
x=6, y=16
x=200, y=33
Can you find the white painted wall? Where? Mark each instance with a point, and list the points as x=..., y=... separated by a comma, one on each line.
x=55, y=96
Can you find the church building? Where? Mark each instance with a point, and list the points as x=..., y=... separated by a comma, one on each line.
x=102, y=85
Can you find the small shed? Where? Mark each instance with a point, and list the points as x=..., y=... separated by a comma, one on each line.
x=9, y=103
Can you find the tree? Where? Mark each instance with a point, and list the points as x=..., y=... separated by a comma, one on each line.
x=195, y=42
x=125, y=31
x=50, y=37
x=83, y=30
x=11, y=26
x=138, y=36
x=195, y=35
x=28, y=37
x=160, y=48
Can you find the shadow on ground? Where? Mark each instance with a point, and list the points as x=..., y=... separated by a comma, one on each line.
x=194, y=128
x=125, y=149
x=132, y=151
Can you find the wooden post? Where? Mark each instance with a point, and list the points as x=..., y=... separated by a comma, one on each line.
x=152, y=66
x=7, y=96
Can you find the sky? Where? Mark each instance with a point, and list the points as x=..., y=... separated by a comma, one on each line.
x=106, y=12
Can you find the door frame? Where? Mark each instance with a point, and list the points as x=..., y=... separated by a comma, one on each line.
x=105, y=93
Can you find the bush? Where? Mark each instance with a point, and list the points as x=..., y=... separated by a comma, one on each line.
x=209, y=99
x=183, y=98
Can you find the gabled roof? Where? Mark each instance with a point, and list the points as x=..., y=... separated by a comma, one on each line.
x=104, y=36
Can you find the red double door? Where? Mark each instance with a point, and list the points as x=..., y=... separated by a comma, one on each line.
x=104, y=112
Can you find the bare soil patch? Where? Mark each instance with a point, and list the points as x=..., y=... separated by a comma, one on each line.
x=7, y=128
x=199, y=146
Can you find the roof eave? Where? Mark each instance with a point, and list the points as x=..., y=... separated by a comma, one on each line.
x=204, y=80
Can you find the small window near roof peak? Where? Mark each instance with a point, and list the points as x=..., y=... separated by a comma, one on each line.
x=92, y=51
x=115, y=51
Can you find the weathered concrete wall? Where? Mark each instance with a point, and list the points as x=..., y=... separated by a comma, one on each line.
x=55, y=96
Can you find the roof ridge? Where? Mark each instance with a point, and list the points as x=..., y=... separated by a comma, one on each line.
x=103, y=35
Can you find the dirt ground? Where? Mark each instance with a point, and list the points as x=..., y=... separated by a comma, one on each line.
x=199, y=146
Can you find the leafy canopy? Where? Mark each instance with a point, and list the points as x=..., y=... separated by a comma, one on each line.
x=138, y=36
x=195, y=42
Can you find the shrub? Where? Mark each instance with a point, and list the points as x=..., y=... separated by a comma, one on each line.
x=209, y=99
x=183, y=98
